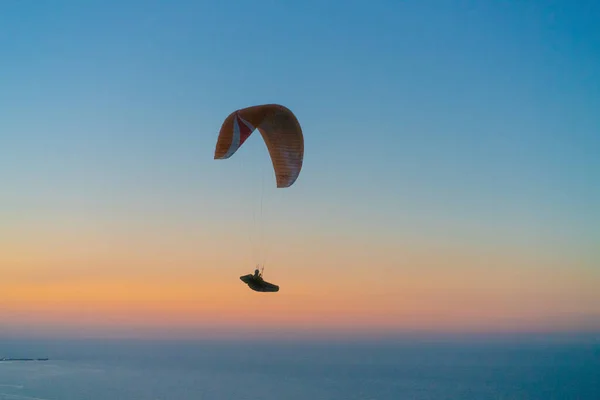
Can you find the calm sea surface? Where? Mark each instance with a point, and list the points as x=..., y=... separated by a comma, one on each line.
x=130, y=370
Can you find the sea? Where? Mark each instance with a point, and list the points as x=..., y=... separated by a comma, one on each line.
x=388, y=369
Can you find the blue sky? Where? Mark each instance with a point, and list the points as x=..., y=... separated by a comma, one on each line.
x=463, y=120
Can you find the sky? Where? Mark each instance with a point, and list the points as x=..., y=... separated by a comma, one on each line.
x=450, y=178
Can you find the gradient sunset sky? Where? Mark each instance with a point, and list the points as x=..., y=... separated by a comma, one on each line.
x=451, y=179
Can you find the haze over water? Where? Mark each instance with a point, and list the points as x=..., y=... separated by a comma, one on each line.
x=529, y=369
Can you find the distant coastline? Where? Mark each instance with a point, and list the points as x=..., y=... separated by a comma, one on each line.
x=23, y=359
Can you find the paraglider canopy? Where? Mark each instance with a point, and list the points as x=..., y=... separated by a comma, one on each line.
x=279, y=129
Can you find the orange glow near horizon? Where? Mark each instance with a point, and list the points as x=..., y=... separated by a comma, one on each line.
x=371, y=289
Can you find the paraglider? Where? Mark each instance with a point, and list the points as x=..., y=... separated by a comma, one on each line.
x=257, y=283
x=283, y=137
